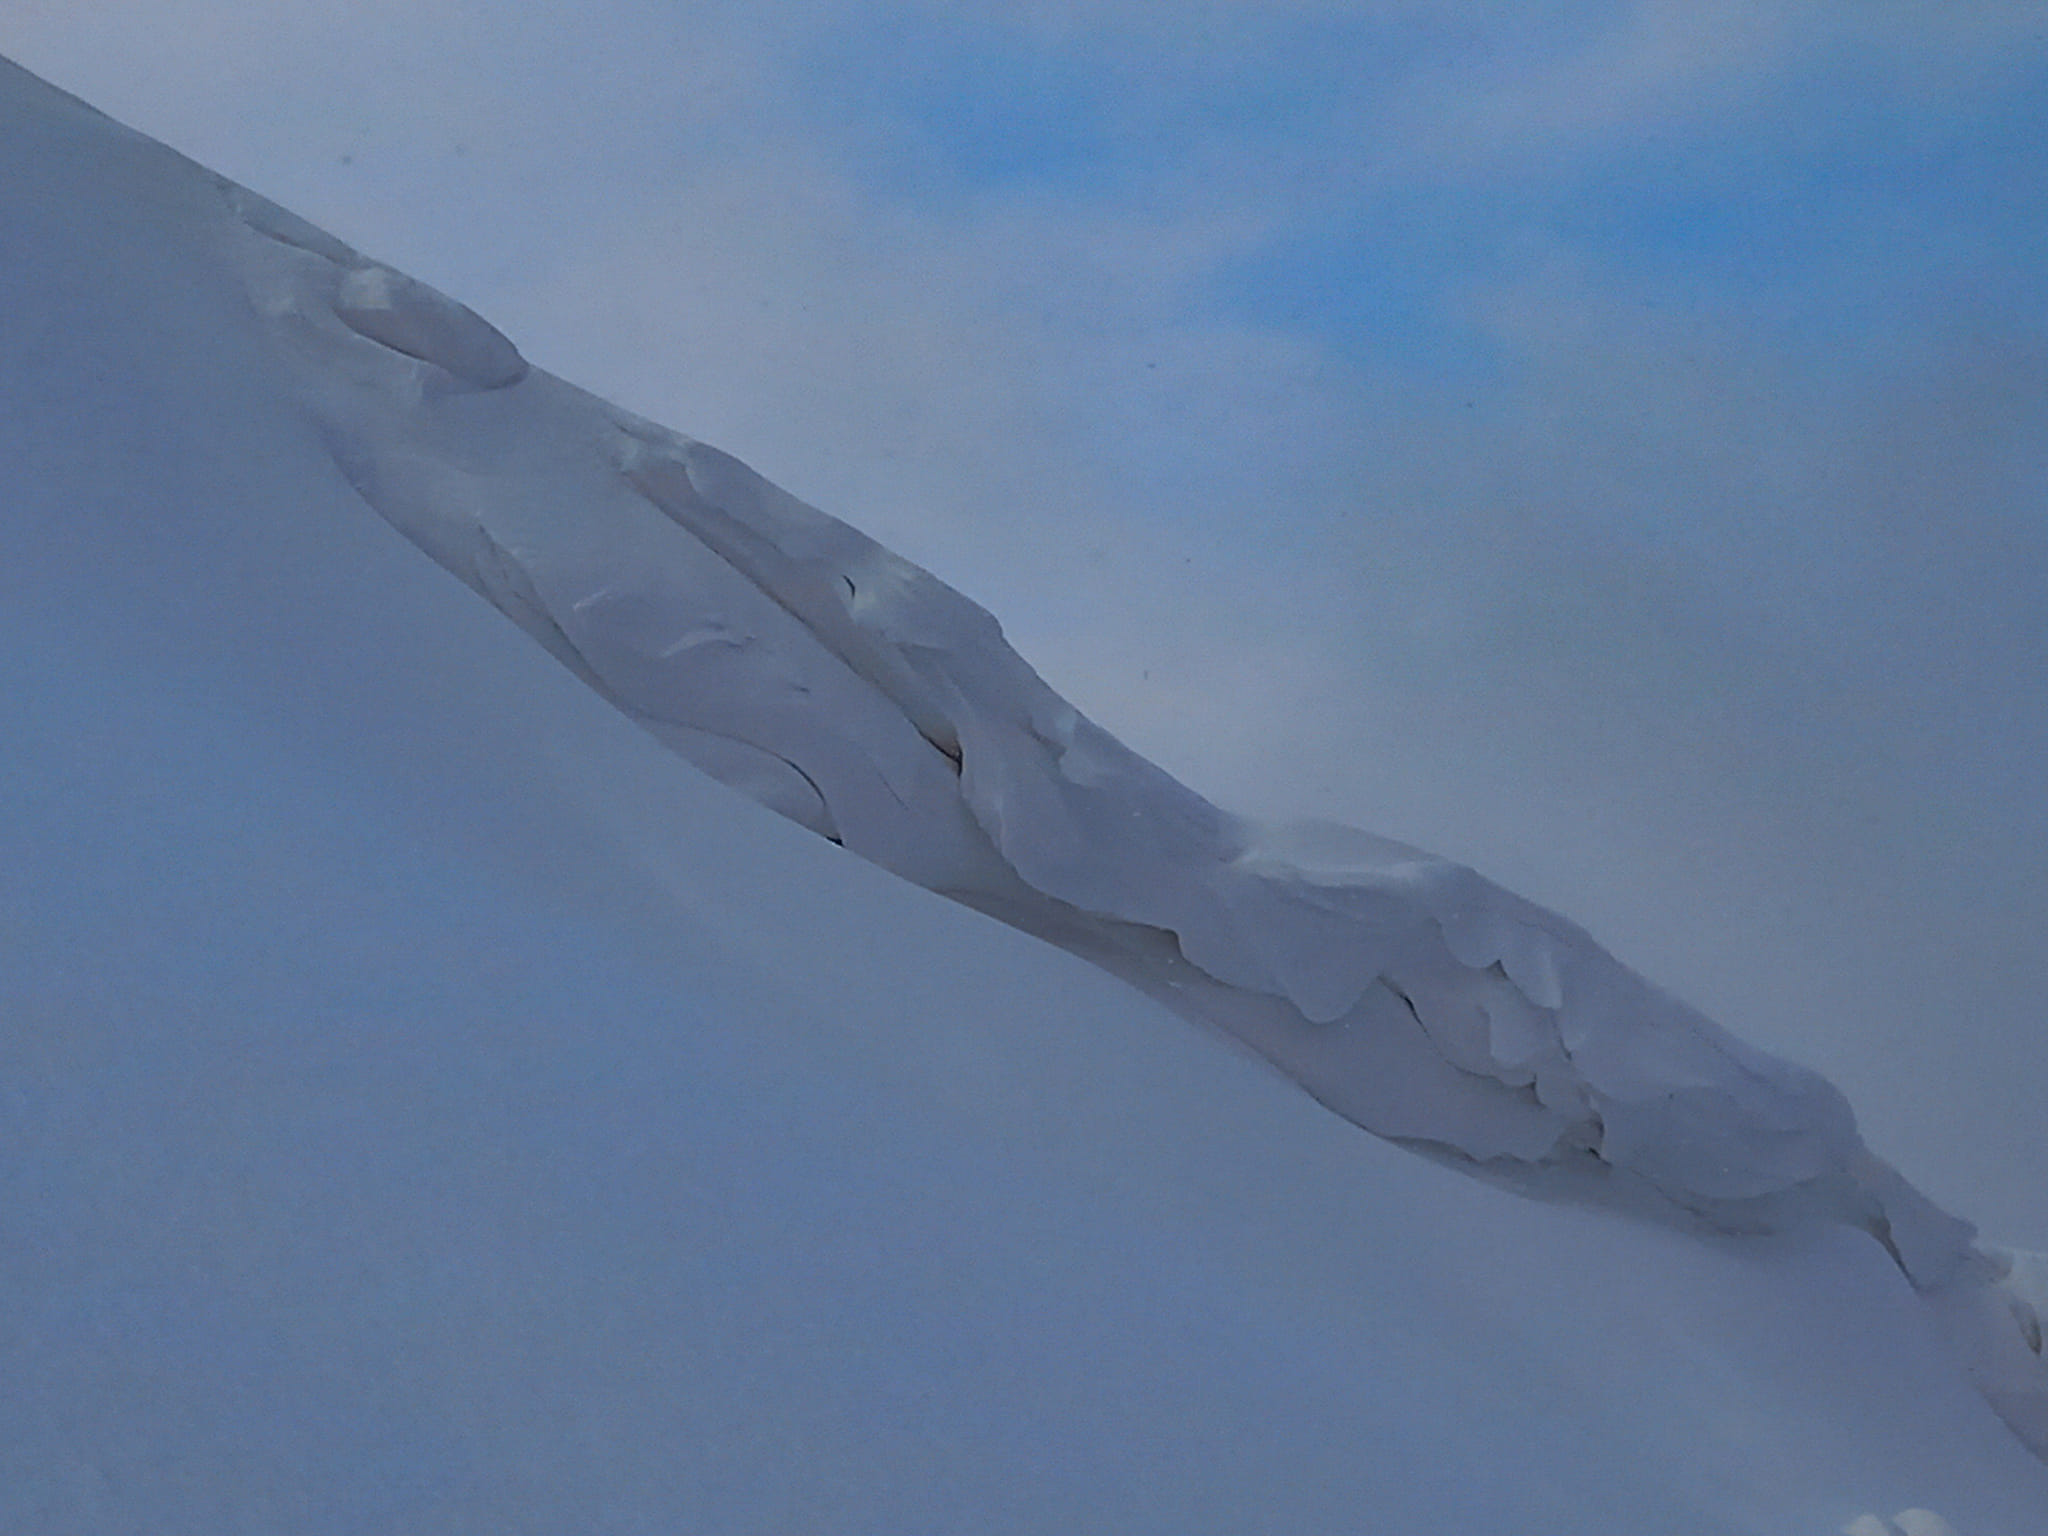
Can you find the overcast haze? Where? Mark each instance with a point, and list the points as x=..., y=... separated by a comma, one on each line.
x=1604, y=442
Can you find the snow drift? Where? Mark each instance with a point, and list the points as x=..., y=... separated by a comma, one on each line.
x=794, y=660
x=798, y=661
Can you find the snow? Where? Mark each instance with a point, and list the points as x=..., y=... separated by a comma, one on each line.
x=874, y=704
x=433, y=1103
x=394, y=311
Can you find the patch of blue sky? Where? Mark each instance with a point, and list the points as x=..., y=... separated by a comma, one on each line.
x=1842, y=216
x=942, y=111
x=1833, y=201
x=1833, y=211
x=991, y=117
x=1383, y=284
x=930, y=113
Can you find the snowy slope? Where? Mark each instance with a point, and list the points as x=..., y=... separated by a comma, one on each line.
x=431, y=1104
x=795, y=659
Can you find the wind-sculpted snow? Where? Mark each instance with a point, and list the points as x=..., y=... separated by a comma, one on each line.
x=431, y=1105
x=794, y=659
x=808, y=666
x=412, y=318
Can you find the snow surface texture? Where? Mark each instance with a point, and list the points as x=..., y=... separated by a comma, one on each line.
x=799, y=662
x=177, y=520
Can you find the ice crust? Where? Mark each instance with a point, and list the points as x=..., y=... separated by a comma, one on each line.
x=799, y=662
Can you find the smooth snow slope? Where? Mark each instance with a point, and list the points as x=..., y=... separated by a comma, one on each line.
x=429, y=1104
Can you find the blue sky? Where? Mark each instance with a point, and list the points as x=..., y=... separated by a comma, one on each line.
x=1604, y=441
